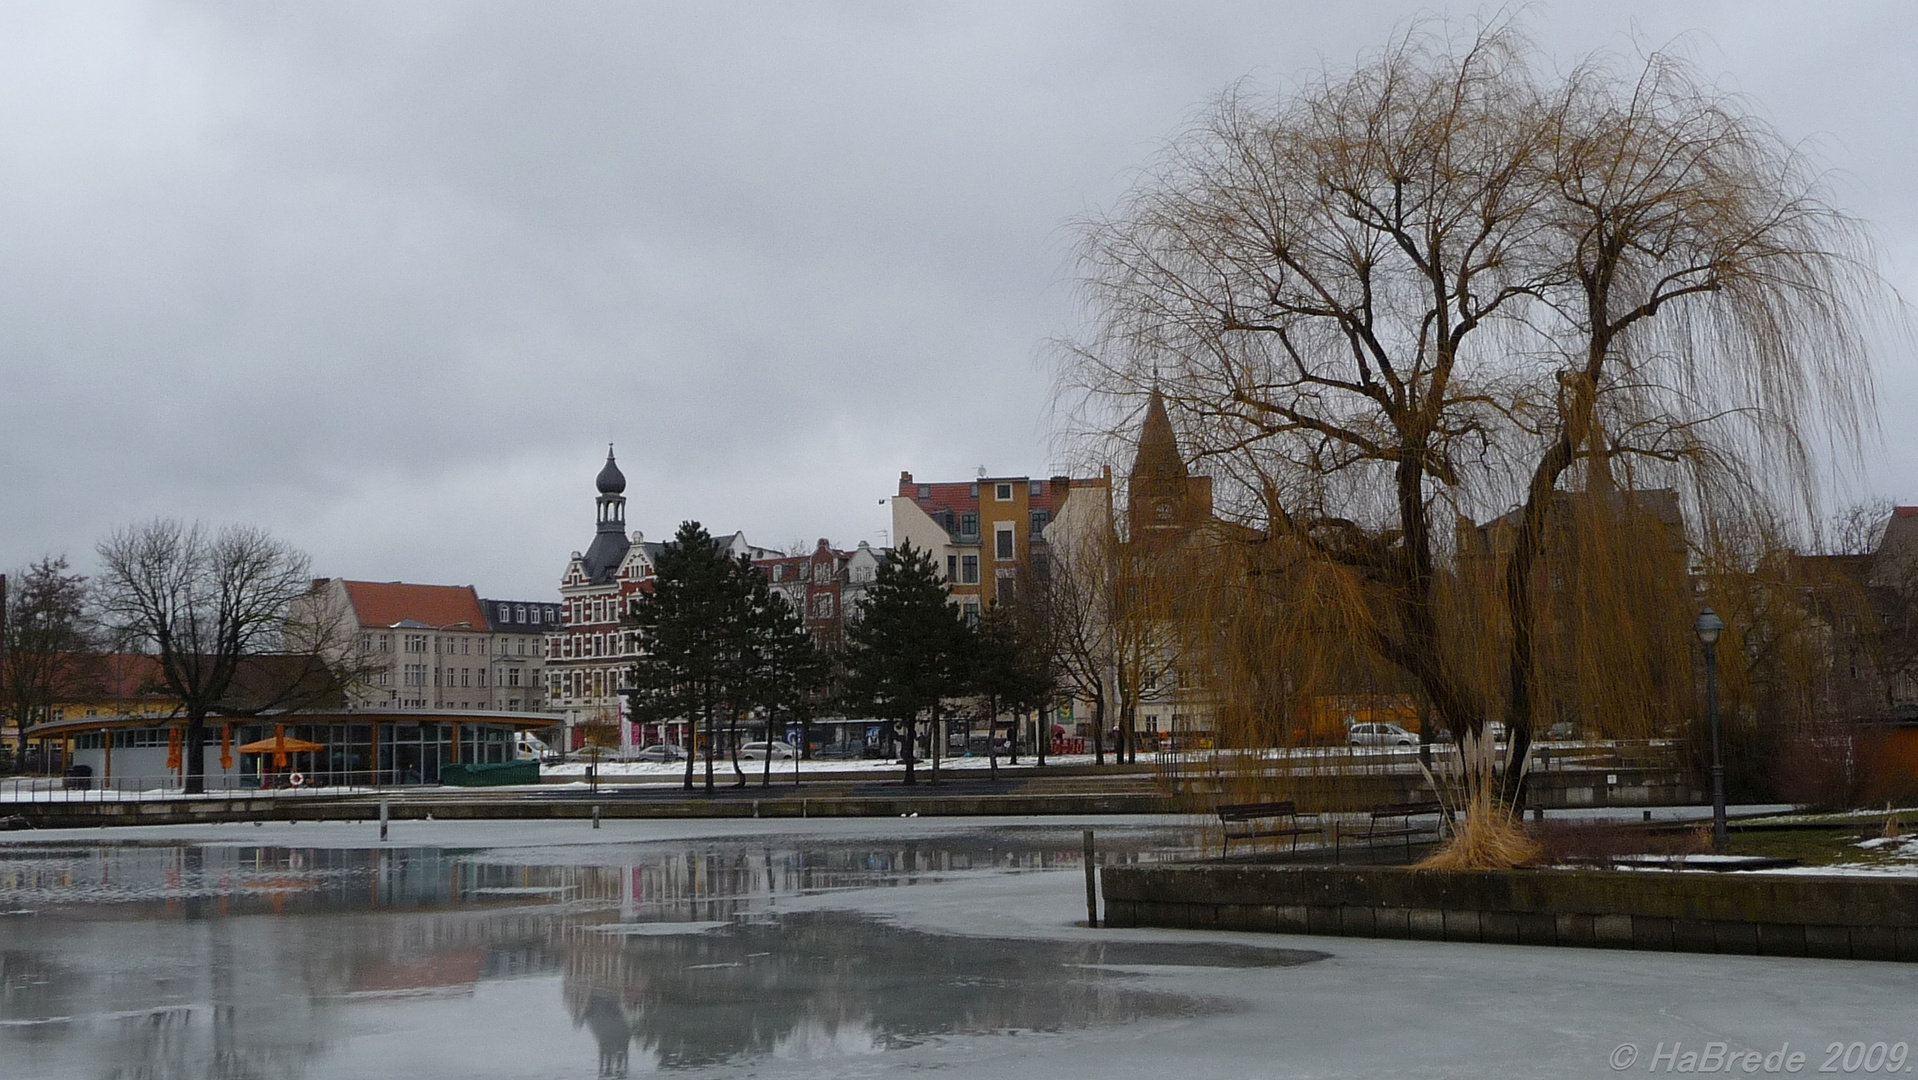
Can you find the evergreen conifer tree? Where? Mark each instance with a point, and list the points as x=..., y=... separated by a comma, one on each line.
x=1009, y=669
x=909, y=648
x=690, y=629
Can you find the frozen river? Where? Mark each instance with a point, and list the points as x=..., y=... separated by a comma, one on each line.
x=842, y=948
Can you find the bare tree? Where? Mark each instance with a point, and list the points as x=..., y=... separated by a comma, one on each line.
x=1451, y=283
x=1067, y=612
x=208, y=605
x=44, y=641
x=1856, y=529
x=1142, y=607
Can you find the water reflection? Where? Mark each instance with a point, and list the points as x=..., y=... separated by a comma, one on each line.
x=834, y=980
x=127, y=961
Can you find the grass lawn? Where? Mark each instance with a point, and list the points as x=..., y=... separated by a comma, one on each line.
x=1827, y=847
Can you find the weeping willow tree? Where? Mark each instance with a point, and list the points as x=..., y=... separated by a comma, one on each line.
x=1606, y=311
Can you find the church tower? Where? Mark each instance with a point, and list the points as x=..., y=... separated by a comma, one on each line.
x=1161, y=494
x=610, y=543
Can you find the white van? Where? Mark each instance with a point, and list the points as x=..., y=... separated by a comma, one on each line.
x=529, y=747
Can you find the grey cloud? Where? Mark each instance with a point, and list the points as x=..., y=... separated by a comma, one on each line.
x=385, y=278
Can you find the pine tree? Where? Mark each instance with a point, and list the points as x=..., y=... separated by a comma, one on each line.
x=909, y=649
x=790, y=666
x=1009, y=668
x=689, y=629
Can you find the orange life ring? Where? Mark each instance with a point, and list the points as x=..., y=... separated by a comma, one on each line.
x=296, y=780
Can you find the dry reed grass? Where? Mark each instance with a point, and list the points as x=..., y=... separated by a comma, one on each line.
x=1485, y=841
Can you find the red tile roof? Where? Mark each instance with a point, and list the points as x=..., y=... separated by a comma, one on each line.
x=384, y=603
x=962, y=495
x=110, y=677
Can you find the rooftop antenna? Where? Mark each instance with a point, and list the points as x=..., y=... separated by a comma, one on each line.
x=982, y=472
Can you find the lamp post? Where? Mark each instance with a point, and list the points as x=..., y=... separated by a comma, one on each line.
x=1708, y=627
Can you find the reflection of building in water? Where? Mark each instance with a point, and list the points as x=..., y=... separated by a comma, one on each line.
x=266, y=997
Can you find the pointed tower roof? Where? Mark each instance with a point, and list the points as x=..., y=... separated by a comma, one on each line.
x=1158, y=460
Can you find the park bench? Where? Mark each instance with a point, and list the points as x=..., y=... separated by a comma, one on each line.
x=1252, y=821
x=1394, y=820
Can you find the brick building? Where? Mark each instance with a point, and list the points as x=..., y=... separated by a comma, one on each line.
x=589, y=652
x=827, y=586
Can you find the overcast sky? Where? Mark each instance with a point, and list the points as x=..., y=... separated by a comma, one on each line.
x=386, y=278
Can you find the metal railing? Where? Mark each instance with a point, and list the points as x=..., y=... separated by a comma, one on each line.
x=41, y=790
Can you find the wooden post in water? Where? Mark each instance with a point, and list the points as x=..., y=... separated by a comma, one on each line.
x=1092, y=884
x=595, y=817
x=385, y=810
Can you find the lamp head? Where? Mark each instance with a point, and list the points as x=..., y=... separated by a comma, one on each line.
x=1708, y=627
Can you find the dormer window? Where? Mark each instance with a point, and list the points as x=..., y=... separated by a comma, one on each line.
x=1002, y=492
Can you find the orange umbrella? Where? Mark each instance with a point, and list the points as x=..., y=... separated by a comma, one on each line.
x=279, y=746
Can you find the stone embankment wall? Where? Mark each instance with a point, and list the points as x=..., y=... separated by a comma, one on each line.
x=415, y=804
x=1860, y=918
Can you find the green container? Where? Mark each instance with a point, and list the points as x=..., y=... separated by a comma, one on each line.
x=493, y=775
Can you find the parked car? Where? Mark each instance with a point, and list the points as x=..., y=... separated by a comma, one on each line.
x=839, y=752
x=1381, y=735
x=658, y=752
x=759, y=751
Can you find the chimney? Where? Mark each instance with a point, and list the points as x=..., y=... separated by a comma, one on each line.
x=905, y=485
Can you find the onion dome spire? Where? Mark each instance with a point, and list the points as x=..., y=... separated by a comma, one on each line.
x=610, y=480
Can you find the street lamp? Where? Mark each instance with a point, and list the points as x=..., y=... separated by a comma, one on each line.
x=1708, y=627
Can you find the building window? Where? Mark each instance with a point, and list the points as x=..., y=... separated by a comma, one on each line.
x=968, y=524
x=416, y=643
x=512, y=676
x=822, y=606
x=416, y=674
x=1002, y=492
x=805, y=571
x=1039, y=519
x=1037, y=489
x=1002, y=541
x=779, y=571
x=925, y=491
x=969, y=570
x=952, y=568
